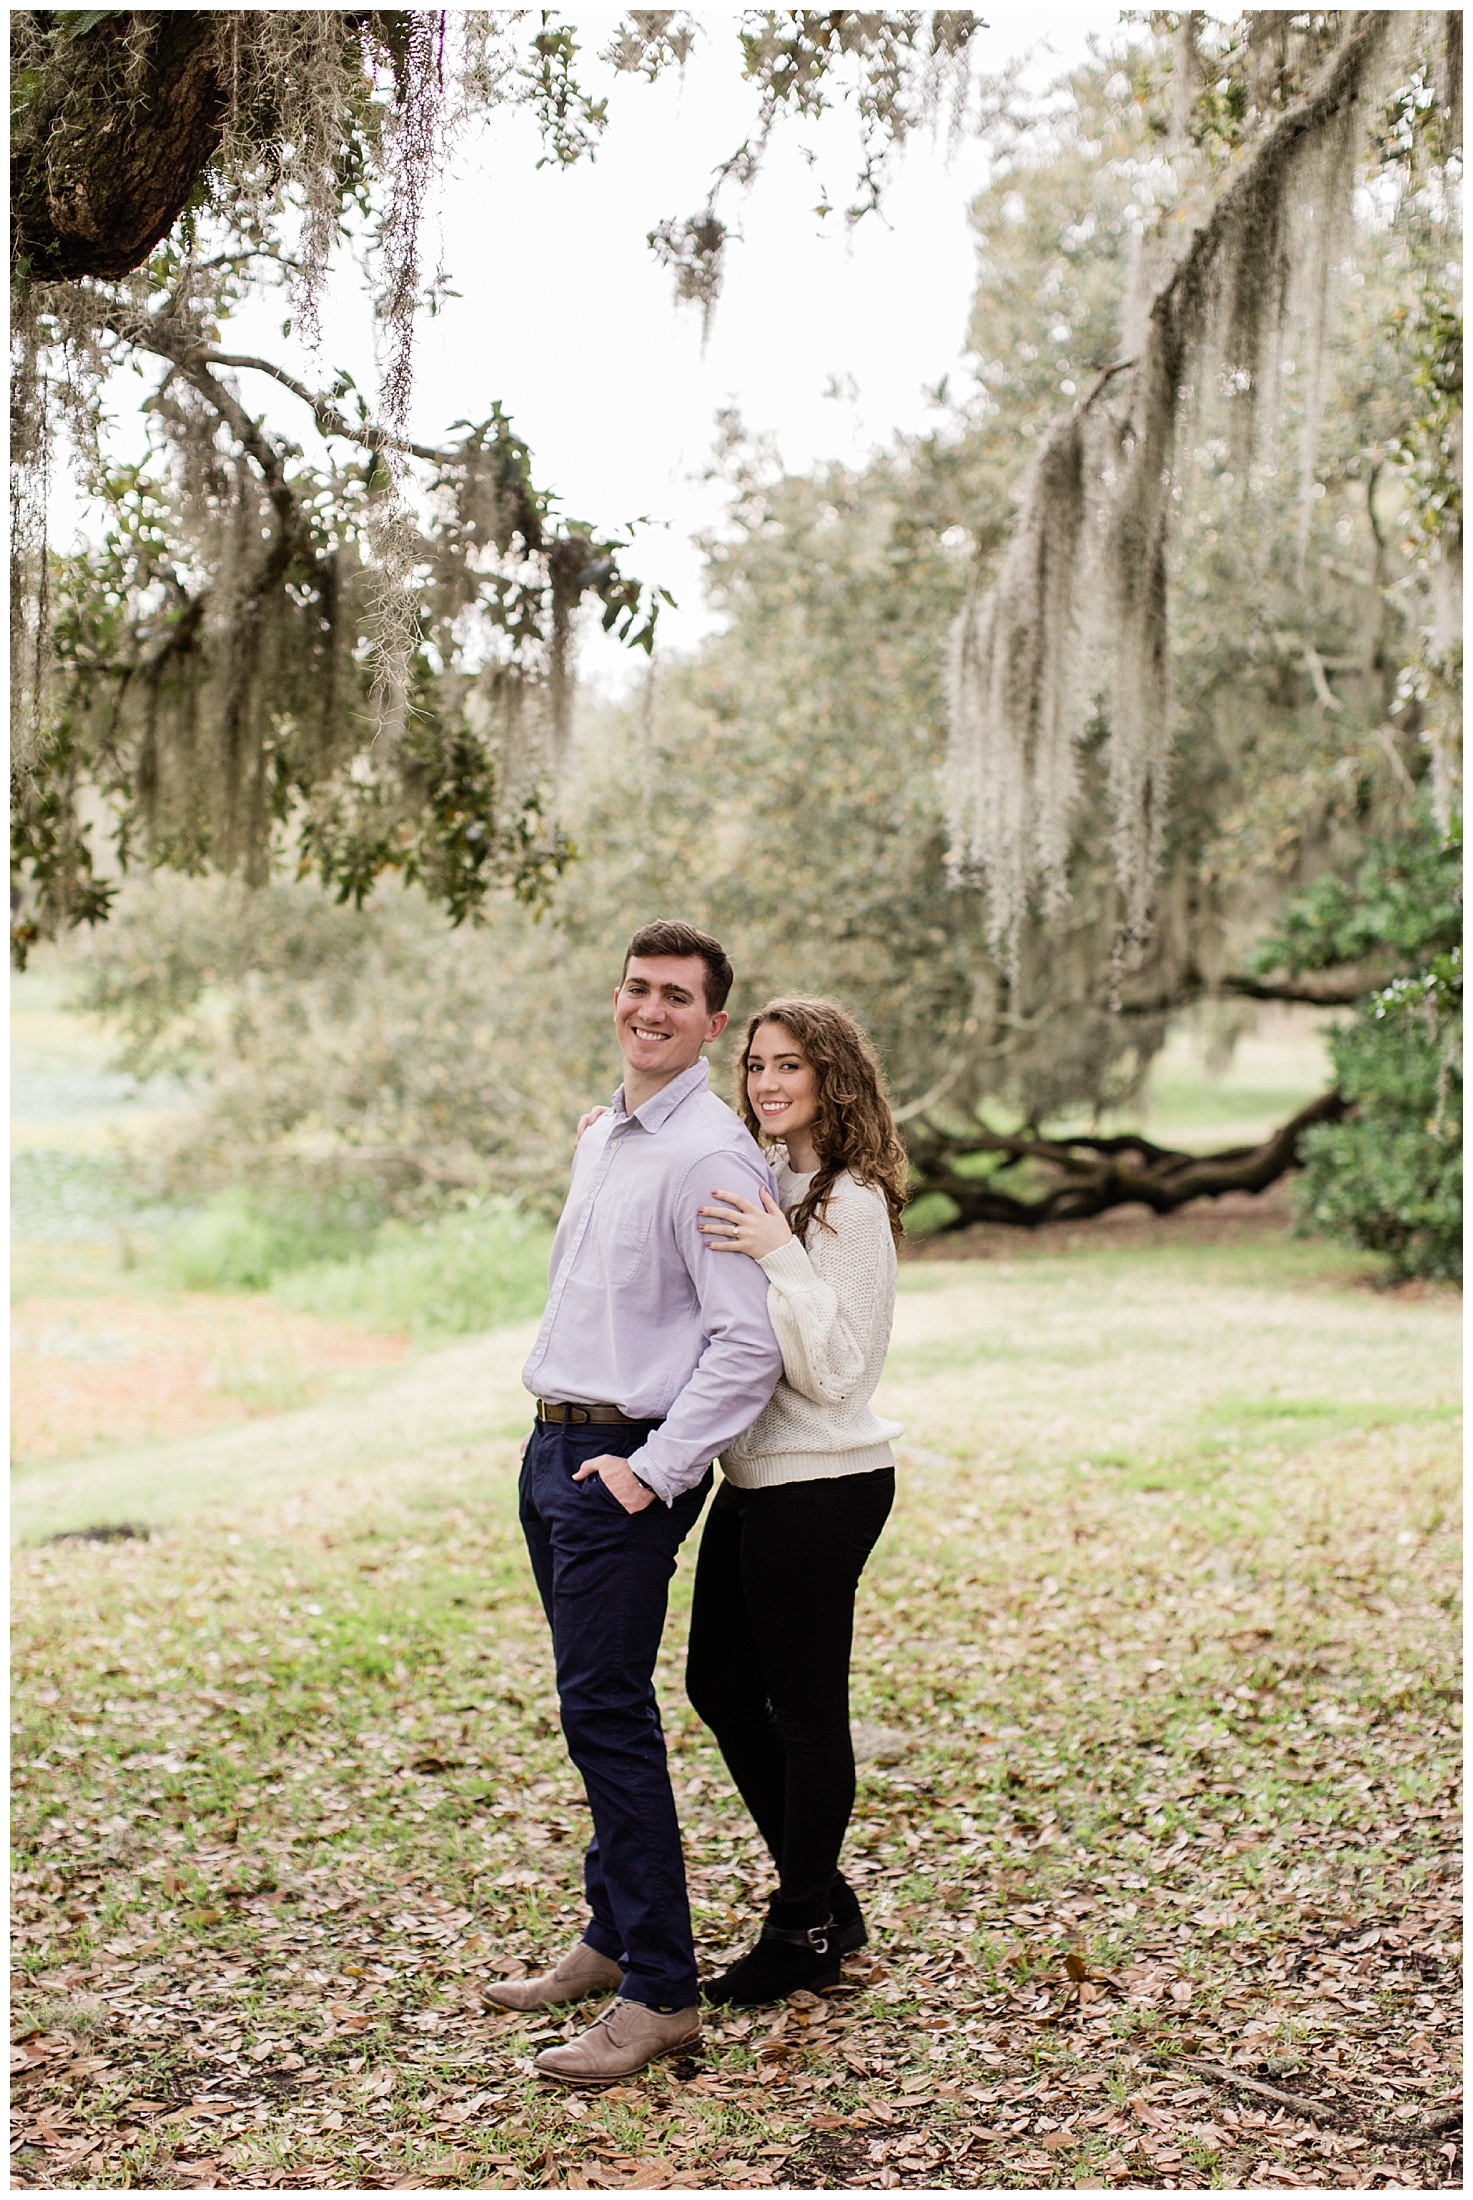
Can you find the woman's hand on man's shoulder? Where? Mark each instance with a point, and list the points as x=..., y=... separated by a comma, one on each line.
x=584, y=1121
x=739, y=1225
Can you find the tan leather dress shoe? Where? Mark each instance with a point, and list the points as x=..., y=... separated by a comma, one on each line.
x=582, y=1973
x=626, y=2037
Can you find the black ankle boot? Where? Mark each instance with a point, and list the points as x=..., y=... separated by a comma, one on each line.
x=849, y=1927
x=779, y=1965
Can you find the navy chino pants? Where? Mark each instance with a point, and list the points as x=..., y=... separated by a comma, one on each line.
x=603, y=1575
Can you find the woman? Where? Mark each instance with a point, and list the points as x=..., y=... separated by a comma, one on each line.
x=808, y=1487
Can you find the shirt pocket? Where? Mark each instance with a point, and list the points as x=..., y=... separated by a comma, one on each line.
x=622, y=1223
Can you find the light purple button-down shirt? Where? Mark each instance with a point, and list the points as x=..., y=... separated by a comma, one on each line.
x=641, y=1314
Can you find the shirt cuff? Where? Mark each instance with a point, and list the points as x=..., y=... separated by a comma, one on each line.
x=649, y=1477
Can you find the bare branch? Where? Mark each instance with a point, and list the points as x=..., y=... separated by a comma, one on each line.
x=1101, y=1172
x=329, y=420
x=182, y=344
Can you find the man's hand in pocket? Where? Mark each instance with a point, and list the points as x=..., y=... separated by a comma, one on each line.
x=619, y=1481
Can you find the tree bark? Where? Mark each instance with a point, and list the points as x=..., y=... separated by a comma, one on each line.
x=109, y=152
x=1097, y=1173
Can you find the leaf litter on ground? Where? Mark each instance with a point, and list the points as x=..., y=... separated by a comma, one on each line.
x=1156, y=1825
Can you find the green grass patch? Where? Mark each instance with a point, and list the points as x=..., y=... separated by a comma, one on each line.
x=239, y=1243
x=462, y=1273
x=60, y=1197
x=80, y=1231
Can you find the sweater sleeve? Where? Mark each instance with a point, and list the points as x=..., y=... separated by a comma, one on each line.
x=824, y=1330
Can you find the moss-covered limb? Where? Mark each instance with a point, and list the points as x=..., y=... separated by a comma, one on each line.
x=1340, y=986
x=118, y=114
x=1097, y=1173
x=234, y=619
x=1072, y=636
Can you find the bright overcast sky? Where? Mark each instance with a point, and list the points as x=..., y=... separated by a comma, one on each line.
x=567, y=318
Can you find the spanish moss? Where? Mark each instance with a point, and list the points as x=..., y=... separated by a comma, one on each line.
x=1074, y=630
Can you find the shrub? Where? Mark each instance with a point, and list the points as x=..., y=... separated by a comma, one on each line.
x=1390, y=1177
x=240, y=1243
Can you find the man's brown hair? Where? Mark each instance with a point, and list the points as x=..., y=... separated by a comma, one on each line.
x=668, y=936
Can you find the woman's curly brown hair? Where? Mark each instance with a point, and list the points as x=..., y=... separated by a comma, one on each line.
x=853, y=1128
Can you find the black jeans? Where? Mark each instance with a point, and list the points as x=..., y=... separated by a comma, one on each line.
x=771, y=1628
x=603, y=1575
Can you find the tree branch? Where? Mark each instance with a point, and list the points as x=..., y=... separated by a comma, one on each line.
x=1103, y=1172
x=1340, y=81
x=177, y=342
x=182, y=344
x=329, y=420
x=1340, y=987
x=1317, y=2110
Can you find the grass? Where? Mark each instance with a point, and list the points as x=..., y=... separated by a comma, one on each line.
x=447, y=1277
x=1277, y=1065
x=472, y=1270
x=162, y=1337
x=1154, y=1682
x=80, y=1231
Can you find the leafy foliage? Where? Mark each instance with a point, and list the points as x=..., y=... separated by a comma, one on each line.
x=220, y=661
x=363, y=665
x=783, y=785
x=1390, y=1177
x=1405, y=895
x=354, y=1066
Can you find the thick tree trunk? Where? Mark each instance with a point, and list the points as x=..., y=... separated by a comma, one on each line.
x=108, y=152
x=1093, y=1174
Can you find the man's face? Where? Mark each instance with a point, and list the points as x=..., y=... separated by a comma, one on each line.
x=660, y=1014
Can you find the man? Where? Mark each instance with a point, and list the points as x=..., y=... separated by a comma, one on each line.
x=652, y=1355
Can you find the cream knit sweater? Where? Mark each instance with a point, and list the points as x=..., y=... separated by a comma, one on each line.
x=831, y=1305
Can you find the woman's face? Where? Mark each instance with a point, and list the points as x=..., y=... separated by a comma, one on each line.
x=780, y=1082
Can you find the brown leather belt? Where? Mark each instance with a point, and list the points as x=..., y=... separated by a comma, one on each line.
x=577, y=1416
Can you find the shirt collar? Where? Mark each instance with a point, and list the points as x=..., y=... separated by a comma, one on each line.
x=661, y=1105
